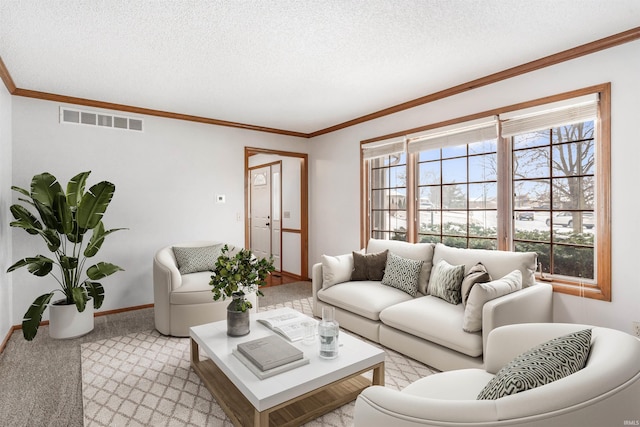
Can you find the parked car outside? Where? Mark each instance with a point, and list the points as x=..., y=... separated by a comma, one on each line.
x=524, y=216
x=565, y=219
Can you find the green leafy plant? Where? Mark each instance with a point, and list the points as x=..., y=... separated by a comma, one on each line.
x=234, y=276
x=64, y=219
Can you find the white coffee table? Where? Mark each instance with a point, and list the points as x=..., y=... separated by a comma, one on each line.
x=290, y=398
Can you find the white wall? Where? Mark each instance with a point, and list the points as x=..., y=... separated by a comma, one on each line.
x=166, y=179
x=335, y=183
x=6, y=308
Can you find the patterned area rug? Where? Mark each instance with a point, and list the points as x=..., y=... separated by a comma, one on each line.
x=144, y=379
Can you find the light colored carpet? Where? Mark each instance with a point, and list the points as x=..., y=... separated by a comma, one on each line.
x=144, y=379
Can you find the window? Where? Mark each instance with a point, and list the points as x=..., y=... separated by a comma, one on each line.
x=534, y=177
x=388, y=219
x=458, y=195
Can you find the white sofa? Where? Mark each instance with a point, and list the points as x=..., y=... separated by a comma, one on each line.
x=184, y=300
x=604, y=393
x=424, y=327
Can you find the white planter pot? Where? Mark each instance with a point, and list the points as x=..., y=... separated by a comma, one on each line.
x=66, y=322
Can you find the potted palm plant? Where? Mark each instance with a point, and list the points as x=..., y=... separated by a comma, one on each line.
x=62, y=220
x=235, y=276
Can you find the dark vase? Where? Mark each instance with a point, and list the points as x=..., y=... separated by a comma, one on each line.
x=237, y=321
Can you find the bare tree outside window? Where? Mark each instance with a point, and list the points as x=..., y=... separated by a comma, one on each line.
x=554, y=183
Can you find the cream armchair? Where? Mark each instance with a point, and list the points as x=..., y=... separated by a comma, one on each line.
x=184, y=300
x=604, y=393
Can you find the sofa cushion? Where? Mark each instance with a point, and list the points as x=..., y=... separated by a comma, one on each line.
x=402, y=273
x=477, y=274
x=543, y=364
x=336, y=269
x=435, y=320
x=369, y=266
x=498, y=263
x=445, y=281
x=418, y=251
x=483, y=292
x=349, y=296
x=194, y=260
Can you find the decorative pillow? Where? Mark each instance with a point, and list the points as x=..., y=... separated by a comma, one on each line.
x=369, y=266
x=445, y=281
x=482, y=292
x=193, y=260
x=477, y=274
x=402, y=273
x=336, y=269
x=548, y=362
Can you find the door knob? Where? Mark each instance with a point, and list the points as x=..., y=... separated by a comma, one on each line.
x=267, y=224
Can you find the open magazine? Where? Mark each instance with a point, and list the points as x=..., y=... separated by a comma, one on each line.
x=288, y=323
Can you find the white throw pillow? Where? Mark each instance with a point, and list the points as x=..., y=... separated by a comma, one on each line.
x=483, y=292
x=336, y=269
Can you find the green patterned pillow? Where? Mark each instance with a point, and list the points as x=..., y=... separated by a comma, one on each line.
x=193, y=260
x=402, y=273
x=445, y=281
x=548, y=362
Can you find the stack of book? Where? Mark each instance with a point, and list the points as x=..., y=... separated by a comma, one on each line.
x=269, y=356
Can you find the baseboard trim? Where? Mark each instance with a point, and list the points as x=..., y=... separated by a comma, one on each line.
x=98, y=314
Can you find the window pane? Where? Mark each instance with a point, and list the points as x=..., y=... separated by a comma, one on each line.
x=379, y=220
x=379, y=178
x=573, y=193
x=483, y=168
x=397, y=176
x=429, y=173
x=532, y=163
x=532, y=194
x=454, y=170
x=429, y=222
x=454, y=196
x=424, y=156
x=483, y=196
x=458, y=151
x=454, y=223
x=528, y=140
x=483, y=244
x=574, y=132
x=483, y=224
x=380, y=199
x=483, y=147
x=573, y=262
x=429, y=197
x=573, y=159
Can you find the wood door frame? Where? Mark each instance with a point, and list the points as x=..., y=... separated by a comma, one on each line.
x=304, y=204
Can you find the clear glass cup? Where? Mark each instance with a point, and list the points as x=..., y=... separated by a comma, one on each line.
x=328, y=330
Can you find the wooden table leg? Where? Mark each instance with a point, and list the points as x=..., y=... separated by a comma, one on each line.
x=260, y=419
x=195, y=352
x=378, y=374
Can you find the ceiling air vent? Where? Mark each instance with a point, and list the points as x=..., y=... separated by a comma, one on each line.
x=93, y=118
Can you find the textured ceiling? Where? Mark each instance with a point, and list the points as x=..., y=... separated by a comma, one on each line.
x=297, y=65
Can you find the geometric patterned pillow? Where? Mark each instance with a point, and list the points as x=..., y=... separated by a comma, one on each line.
x=193, y=260
x=541, y=365
x=402, y=273
x=445, y=281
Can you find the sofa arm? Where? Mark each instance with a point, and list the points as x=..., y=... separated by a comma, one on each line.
x=166, y=278
x=383, y=407
x=533, y=304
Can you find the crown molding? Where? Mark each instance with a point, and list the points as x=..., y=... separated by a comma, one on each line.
x=566, y=55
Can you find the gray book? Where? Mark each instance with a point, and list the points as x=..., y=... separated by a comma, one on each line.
x=270, y=372
x=269, y=352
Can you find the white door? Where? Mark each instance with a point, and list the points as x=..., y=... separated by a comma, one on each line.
x=260, y=212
